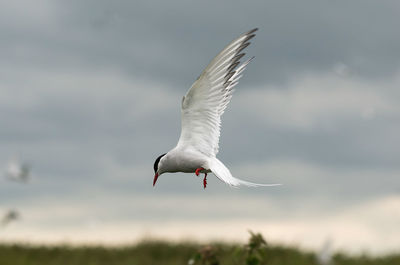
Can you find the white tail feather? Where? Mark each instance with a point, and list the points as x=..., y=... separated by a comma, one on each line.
x=223, y=173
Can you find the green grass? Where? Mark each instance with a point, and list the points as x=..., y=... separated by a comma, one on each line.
x=256, y=252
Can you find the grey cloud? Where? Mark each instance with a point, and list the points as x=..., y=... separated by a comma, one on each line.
x=159, y=40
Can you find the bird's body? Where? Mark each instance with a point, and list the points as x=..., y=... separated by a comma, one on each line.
x=186, y=160
x=201, y=111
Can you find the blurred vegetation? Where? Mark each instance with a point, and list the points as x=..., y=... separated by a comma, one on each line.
x=255, y=252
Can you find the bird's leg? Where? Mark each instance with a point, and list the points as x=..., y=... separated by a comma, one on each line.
x=205, y=180
x=197, y=172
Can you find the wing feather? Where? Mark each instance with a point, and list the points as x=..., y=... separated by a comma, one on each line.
x=208, y=97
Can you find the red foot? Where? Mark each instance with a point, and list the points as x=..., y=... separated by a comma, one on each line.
x=197, y=172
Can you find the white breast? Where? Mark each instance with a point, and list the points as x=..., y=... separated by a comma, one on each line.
x=184, y=160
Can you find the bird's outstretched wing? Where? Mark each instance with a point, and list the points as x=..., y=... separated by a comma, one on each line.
x=206, y=100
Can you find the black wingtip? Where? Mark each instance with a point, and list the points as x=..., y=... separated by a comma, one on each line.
x=252, y=31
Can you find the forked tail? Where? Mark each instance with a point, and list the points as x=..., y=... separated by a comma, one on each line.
x=223, y=173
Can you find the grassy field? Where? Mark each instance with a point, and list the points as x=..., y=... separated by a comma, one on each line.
x=256, y=252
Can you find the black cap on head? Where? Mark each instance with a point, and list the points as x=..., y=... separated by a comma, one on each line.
x=157, y=161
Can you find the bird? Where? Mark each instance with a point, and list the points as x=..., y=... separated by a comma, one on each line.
x=10, y=216
x=18, y=171
x=201, y=110
x=325, y=255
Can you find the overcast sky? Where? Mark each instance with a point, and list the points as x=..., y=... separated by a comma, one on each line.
x=90, y=95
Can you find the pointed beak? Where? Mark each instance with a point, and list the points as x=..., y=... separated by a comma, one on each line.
x=155, y=179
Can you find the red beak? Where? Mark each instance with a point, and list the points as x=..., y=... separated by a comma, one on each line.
x=155, y=179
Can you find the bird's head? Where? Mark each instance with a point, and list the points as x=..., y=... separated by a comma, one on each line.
x=157, y=168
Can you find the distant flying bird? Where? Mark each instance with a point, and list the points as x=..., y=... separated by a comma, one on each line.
x=10, y=216
x=18, y=171
x=201, y=109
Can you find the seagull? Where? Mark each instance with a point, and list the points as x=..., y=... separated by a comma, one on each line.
x=201, y=111
x=17, y=171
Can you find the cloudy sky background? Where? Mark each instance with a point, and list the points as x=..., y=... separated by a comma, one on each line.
x=90, y=95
